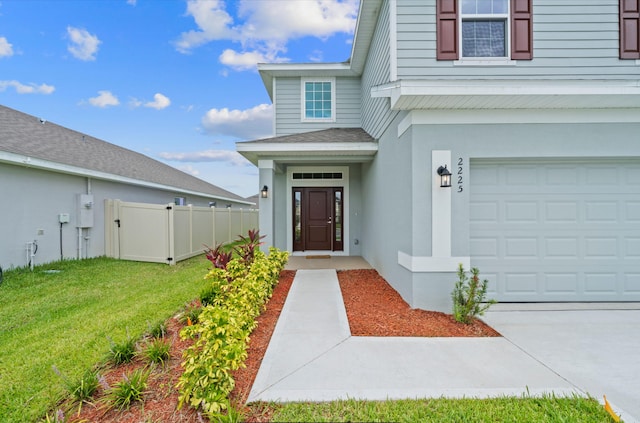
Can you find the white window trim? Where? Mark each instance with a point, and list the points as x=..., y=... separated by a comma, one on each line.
x=486, y=61
x=303, y=117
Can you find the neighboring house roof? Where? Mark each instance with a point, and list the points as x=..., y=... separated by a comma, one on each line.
x=29, y=141
x=353, y=144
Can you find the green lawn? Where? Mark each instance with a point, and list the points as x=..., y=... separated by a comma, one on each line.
x=65, y=319
x=507, y=409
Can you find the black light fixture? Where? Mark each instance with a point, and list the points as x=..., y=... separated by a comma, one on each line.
x=445, y=177
x=265, y=192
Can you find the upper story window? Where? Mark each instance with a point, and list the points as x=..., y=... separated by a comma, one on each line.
x=485, y=25
x=475, y=29
x=318, y=99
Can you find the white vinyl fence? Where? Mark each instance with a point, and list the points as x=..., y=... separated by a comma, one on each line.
x=170, y=233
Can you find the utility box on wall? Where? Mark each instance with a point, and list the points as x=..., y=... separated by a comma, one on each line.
x=85, y=211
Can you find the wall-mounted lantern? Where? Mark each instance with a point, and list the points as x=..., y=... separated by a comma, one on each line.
x=264, y=193
x=445, y=176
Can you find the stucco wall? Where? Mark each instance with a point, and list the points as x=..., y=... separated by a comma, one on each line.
x=32, y=199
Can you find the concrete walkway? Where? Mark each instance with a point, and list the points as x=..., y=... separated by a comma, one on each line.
x=313, y=357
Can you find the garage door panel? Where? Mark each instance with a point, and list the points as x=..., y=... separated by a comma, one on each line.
x=633, y=211
x=561, y=283
x=570, y=236
x=632, y=282
x=521, y=212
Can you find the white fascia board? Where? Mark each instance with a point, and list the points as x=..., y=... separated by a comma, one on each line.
x=308, y=147
x=514, y=116
x=269, y=71
x=26, y=161
x=505, y=87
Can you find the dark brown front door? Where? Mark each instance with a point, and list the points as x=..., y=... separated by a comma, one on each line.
x=317, y=219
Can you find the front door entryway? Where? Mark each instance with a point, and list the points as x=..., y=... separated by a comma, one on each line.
x=318, y=219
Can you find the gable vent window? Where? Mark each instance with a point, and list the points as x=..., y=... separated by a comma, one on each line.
x=317, y=175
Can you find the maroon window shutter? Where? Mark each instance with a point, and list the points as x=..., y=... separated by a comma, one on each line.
x=629, y=29
x=447, y=29
x=521, y=30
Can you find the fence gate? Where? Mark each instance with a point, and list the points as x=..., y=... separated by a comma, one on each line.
x=170, y=233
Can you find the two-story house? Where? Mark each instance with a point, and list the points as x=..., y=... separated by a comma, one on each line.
x=533, y=106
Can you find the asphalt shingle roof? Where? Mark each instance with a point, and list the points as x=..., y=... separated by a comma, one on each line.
x=342, y=135
x=27, y=135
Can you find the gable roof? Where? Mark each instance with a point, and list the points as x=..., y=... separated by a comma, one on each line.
x=27, y=140
x=368, y=14
x=352, y=144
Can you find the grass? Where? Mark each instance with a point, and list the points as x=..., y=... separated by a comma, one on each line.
x=66, y=318
x=506, y=409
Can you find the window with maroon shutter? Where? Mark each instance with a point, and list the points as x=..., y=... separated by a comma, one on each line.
x=630, y=29
x=480, y=29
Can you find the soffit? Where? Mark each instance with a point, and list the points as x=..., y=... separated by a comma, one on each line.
x=511, y=94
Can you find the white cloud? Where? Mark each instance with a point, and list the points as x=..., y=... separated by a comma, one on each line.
x=244, y=124
x=27, y=89
x=159, y=102
x=104, y=99
x=264, y=27
x=190, y=170
x=84, y=46
x=132, y=2
x=242, y=61
x=221, y=156
x=6, y=49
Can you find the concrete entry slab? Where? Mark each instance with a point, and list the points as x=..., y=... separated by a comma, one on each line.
x=324, y=261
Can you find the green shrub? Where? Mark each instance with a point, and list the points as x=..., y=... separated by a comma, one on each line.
x=157, y=351
x=469, y=296
x=222, y=333
x=191, y=314
x=208, y=295
x=131, y=388
x=82, y=389
x=120, y=353
x=159, y=330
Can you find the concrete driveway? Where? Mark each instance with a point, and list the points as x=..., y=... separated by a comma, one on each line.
x=595, y=347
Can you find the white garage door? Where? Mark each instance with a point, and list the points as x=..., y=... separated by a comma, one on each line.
x=557, y=231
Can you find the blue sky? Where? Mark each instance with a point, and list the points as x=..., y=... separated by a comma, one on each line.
x=173, y=79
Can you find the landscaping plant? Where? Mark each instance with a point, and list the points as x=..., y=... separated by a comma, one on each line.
x=221, y=335
x=469, y=296
x=157, y=351
x=123, y=352
x=131, y=388
x=81, y=390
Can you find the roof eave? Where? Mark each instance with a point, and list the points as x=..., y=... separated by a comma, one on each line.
x=36, y=163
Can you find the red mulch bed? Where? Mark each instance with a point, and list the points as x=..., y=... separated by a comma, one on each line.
x=373, y=309
x=376, y=309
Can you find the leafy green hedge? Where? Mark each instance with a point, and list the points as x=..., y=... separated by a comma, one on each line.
x=238, y=295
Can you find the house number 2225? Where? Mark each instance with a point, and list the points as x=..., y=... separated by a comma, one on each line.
x=460, y=189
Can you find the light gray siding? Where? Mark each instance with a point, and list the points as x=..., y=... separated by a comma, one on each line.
x=288, y=97
x=376, y=112
x=573, y=39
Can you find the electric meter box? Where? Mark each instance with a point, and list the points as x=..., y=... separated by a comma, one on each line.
x=85, y=210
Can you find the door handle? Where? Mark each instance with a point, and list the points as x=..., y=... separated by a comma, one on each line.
x=329, y=219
